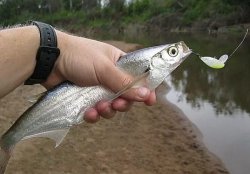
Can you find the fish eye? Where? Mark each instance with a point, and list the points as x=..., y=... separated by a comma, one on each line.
x=172, y=51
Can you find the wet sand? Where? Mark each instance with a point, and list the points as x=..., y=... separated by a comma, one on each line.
x=148, y=140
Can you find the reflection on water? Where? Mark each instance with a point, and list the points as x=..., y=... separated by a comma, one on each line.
x=226, y=136
x=217, y=101
x=226, y=89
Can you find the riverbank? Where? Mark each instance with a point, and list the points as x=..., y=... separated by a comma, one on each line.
x=148, y=140
x=129, y=16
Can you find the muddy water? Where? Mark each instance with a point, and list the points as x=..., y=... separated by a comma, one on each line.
x=216, y=101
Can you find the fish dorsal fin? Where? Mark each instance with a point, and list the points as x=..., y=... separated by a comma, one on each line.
x=34, y=98
x=56, y=135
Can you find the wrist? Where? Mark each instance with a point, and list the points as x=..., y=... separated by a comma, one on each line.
x=57, y=76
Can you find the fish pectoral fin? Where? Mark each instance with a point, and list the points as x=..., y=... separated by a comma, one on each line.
x=56, y=135
x=34, y=98
x=137, y=82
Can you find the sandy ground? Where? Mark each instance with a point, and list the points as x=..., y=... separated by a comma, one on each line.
x=148, y=140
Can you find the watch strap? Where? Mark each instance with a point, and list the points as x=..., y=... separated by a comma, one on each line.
x=47, y=54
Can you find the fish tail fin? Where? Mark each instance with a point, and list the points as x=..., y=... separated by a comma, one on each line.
x=5, y=154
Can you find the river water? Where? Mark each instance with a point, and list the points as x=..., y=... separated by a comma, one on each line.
x=216, y=101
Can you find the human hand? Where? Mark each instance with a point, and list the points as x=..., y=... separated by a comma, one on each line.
x=87, y=62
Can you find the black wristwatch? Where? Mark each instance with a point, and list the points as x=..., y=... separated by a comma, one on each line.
x=47, y=54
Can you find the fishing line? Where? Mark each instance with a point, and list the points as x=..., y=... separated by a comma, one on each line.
x=239, y=44
x=219, y=63
x=197, y=54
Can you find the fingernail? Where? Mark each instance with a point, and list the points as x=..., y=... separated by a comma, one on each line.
x=143, y=92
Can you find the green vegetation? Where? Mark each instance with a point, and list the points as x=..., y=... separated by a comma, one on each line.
x=105, y=14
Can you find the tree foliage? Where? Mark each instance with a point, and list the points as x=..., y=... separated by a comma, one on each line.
x=13, y=11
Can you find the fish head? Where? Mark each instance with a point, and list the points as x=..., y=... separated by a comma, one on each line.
x=171, y=56
x=165, y=61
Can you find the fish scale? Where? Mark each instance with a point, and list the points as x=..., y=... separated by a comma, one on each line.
x=64, y=106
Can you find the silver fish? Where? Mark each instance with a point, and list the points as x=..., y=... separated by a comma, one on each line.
x=63, y=107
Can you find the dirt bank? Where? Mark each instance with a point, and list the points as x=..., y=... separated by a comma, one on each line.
x=148, y=140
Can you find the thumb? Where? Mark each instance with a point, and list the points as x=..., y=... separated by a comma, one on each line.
x=116, y=80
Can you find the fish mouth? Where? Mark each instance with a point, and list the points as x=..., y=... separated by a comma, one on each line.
x=186, y=51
